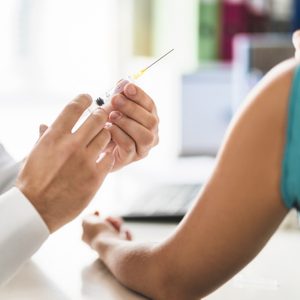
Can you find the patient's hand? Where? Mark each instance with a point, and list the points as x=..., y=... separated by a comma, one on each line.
x=95, y=227
x=296, y=42
x=134, y=128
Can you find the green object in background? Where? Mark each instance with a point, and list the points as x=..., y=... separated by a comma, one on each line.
x=209, y=30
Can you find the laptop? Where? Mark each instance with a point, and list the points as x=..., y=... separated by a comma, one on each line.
x=165, y=202
x=163, y=195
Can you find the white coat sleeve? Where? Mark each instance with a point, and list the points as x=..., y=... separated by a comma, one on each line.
x=22, y=232
x=9, y=170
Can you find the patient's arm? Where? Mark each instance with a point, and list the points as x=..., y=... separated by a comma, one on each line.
x=237, y=211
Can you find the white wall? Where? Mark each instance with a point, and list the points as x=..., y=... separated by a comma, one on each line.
x=50, y=51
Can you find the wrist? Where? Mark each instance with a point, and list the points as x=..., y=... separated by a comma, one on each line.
x=103, y=243
x=38, y=204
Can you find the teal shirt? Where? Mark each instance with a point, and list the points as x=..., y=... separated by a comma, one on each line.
x=290, y=178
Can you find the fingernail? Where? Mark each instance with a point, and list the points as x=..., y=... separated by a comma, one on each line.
x=131, y=90
x=115, y=116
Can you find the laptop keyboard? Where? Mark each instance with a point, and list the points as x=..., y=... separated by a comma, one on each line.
x=165, y=202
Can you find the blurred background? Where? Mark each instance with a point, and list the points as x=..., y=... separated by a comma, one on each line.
x=52, y=50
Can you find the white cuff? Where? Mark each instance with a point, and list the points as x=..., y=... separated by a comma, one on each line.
x=22, y=232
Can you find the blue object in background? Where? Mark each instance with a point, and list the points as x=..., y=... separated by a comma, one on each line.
x=296, y=15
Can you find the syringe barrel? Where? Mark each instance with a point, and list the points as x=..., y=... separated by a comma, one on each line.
x=119, y=88
x=105, y=103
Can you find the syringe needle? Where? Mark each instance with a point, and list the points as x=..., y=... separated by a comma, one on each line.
x=160, y=58
x=120, y=86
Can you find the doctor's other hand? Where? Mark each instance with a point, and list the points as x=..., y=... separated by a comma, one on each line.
x=96, y=228
x=64, y=170
x=134, y=125
x=296, y=42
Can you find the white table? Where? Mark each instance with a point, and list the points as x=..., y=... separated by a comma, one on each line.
x=66, y=269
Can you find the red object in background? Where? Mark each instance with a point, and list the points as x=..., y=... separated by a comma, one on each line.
x=235, y=19
x=239, y=17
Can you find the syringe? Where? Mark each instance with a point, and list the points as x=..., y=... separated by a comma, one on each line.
x=122, y=83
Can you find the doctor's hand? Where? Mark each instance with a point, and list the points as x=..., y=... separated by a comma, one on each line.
x=296, y=42
x=134, y=125
x=63, y=172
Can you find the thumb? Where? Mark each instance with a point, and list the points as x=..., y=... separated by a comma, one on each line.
x=42, y=129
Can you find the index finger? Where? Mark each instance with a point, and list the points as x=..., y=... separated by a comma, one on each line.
x=136, y=94
x=72, y=112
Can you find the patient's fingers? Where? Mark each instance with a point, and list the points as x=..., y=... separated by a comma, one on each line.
x=115, y=222
x=118, y=224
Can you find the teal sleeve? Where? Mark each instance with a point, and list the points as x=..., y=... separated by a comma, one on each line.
x=290, y=178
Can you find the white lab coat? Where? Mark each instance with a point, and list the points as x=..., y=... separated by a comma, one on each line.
x=22, y=230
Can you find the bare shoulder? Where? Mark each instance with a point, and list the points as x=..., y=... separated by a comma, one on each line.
x=267, y=104
x=276, y=85
x=283, y=70
x=253, y=148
